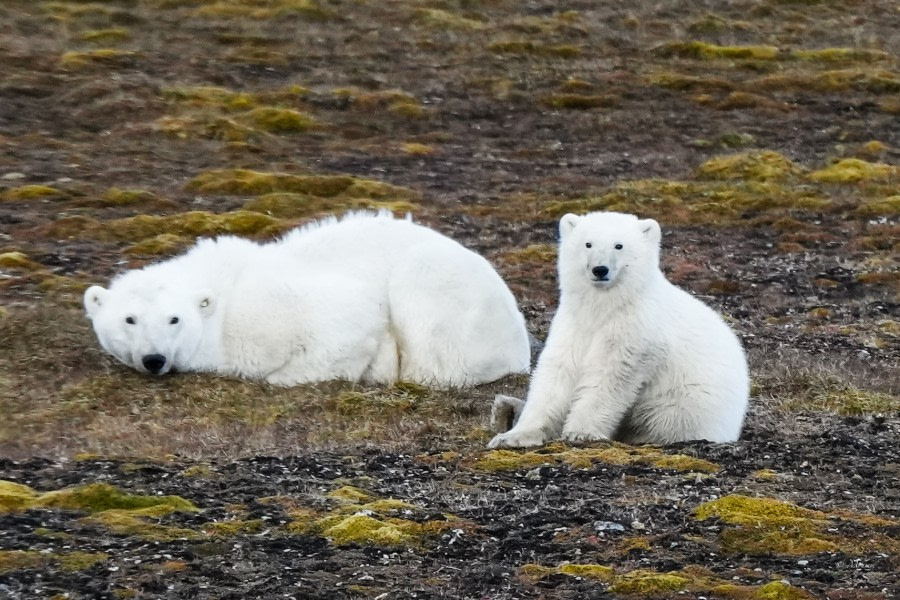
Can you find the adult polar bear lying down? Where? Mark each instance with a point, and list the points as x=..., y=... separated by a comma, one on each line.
x=363, y=298
x=629, y=355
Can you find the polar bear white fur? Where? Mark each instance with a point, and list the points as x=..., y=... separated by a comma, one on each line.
x=364, y=298
x=629, y=356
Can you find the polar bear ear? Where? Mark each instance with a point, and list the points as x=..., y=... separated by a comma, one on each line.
x=93, y=299
x=567, y=224
x=206, y=303
x=651, y=230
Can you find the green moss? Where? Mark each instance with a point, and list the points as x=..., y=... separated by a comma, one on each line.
x=840, y=55
x=206, y=96
x=755, y=166
x=527, y=47
x=442, y=19
x=32, y=192
x=851, y=170
x=16, y=560
x=581, y=101
x=15, y=497
x=17, y=260
x=535, y=572
x=97, y=497
x=290, y=205
x=364, y=529
x=836, y=80
x=582, y=458
x=239, y=9
x=280, y=120
x=101, y=57
x=128, y=197
x=416, y=149
x=779, y=590
x=229, y=529
x=116, y=34
x=350, y=494
x=243, y=182
x=766, y=525
x=648, y=583
x=538, y=253
x=682, y=82
x=80, y=561
x=141, y=523
x=706, y=51
x=764, y=475
x=163, y=244
x=595, y=572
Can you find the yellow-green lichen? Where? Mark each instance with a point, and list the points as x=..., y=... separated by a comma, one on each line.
x=239, y=9
x=244, y=182
x=15, y=497
x=648, y=583
x=754, y=166
x=291, y=205
x=583, y=458
x=128, y=197
x=707, y=51
x=17, y=260
x=98, y=497
x=228, y=529
x=279, y=120
x=539, y=253
x=766, y=525
x=32, y=192
x=115, y=34
x=588, y=571
x=442, y=19
x=142, y=523
x=840, y=55
x=16, y=560
x=103, y=56
x=350, y=494
x=163, y=244
x=851, y=170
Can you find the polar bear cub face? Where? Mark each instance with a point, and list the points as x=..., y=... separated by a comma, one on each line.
x=605, y=249
x=149, y=328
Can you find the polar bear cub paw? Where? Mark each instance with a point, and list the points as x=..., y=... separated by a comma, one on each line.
x=573, y=436
x=519, y=439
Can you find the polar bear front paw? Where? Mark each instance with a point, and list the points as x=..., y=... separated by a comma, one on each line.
x=582, y=437
x=518, y=439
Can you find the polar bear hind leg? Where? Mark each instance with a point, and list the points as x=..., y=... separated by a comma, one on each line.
x=455, y=321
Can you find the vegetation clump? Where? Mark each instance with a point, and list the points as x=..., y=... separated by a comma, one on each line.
x=527, y=47
x=538, y=253
x=851, y=170
x=32, y=192
x=766, y=525
x=244, y=182
x=101, y=57
x=648, y=583
x=268, y=9
x=442, y=19
x=753, y=166
x=115, y=34
x=707, y=51
x=17, y=260
x=584, y=458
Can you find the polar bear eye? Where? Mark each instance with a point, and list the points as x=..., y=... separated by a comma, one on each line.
x=588, y=245
x=173, y=320
x=129, y=320
x=618, y=246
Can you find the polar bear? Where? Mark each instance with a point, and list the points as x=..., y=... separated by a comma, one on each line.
x=365, y=298
x=629, y=356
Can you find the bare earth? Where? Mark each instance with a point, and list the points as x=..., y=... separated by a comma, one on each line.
x=763, y=134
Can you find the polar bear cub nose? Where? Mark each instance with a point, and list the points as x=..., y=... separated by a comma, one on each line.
x=154, y=362
x=600, y=272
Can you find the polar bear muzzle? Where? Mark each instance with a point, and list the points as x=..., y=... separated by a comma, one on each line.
x=154, y=362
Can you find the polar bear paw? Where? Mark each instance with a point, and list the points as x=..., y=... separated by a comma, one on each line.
x=582, y=437
x=518, y=439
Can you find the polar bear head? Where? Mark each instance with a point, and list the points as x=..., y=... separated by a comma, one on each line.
x=149, y=326
x=607, y=250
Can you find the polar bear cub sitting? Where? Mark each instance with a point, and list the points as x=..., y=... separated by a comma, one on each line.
x=629, y=356
x=408, y=304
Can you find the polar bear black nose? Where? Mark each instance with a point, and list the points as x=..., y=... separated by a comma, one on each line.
x=154, y=362
x=600, y=272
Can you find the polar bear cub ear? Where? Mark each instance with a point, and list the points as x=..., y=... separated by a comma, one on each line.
x=567, y=224
x=206, y=303
x=93, y=299
x=650, y=229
